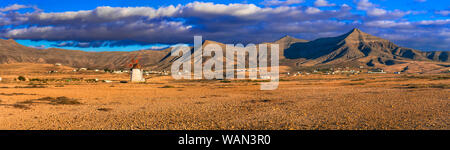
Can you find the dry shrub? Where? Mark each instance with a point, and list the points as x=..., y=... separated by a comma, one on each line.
x=12, y=94
x=440, y=86
x=20, y=106
x=104, y=109
x=168, y=86
x=53, y=101
x=31, y=86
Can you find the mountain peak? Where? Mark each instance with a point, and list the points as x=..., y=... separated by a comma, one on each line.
x=356, y=36
x=289, y=39
x=286, y=36
x=210, y=41
x=354, y=31
x=207, y=42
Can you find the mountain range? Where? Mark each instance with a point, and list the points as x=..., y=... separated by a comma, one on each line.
x=352, y=49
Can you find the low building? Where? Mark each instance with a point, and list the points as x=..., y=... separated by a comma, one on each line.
x=117, y=71
x=376, y=71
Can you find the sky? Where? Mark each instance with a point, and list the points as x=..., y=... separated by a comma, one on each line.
x=127, y=25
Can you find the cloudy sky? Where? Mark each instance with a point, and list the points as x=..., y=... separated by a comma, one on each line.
x=106, y=25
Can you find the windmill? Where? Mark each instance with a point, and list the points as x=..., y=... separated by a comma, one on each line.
x=136, y=70
x=135, y=63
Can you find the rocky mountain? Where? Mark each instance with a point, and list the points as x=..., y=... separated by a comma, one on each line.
x=354, y=48
x=13, y=52
x=357, y=46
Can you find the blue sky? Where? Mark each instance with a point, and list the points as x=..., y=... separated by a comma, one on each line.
x=125, y=25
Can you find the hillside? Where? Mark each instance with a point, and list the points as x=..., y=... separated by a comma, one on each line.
x=355, y=45
x=13, y=52
x=353, y=49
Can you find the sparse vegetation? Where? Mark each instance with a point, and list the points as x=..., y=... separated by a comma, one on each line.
x=91, y=80
x=31, y=86
x=104, y=109
x=301, y=102
x=260, y=101
x=429, y=77
x=441, y=86
x=168, y=86
x=21, y=78
x=20, y=106
x=13, y=94
x=52, y=101
x=107, y=70
x=358, y=79
x=358, y=83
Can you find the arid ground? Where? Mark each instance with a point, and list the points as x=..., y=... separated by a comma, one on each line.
x=64, y=101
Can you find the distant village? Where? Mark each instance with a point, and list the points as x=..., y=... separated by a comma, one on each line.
x=330, y=71
x=120, y=71
x=137, y=74
x=346, y=70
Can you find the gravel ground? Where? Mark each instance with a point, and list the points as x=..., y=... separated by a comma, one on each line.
x=300, y=103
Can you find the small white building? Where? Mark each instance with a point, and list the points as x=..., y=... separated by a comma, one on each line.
x=117, y=71
x=264, y=77
x=136, y=75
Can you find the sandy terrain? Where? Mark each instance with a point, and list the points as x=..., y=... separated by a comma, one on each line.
x=384, y=101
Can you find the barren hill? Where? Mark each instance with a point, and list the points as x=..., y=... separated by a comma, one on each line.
x=355, y=45
x=13, y=52
x=354, y=48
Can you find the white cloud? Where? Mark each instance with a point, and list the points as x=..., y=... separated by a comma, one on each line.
x=106, y=13
x=405, y=24
x=230, y=9
x=370, y=8
x=157, y=47
x=388, y=24
x=323, y=3
x=280, y=2
x=443, y=12
x=312, y=10
x=435, y=22
x=373, y=10
x=13, y=7
x=364, y=5
x=38, y=46
x=376, y=12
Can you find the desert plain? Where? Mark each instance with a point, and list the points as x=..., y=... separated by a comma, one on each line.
x=73, y=100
